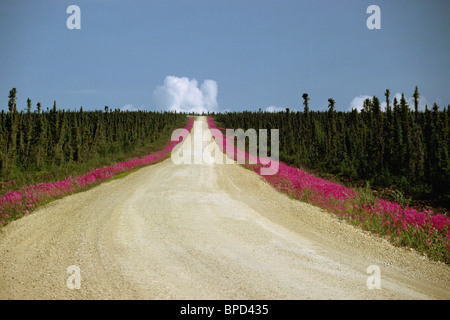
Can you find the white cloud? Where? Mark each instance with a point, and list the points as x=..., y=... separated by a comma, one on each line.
x=422, y=102
x=397, y=96
x=129, y=107
x=357, y=102
x=275, y=109
x=184, y=95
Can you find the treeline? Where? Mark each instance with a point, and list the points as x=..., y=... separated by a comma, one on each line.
x=34, y=140
x=398, y=147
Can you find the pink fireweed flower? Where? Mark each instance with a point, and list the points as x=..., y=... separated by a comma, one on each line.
x=29, y=197
x=332, y=196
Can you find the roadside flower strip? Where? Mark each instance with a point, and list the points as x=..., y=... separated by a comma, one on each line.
x=424, y=231
x=15, y=204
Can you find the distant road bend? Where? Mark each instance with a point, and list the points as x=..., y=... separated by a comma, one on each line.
x=206, y=231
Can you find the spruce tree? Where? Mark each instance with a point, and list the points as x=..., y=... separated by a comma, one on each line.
x=305, y=103
x=416, y=97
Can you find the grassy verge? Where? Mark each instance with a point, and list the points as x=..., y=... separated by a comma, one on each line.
x=423, y=230
x=20, y=200
x=55, y=173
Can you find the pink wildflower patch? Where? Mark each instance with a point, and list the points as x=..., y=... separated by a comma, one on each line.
x=19, y=202
x=382, y=217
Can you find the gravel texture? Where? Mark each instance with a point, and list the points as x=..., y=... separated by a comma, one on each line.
x=202, y=231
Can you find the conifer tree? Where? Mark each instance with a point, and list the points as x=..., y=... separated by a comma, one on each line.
x=305, y=103
x=416, y=97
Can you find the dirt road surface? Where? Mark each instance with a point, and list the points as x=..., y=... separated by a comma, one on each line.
x=202, y=231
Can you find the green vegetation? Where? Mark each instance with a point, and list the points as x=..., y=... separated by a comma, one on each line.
x=397, y=148
x=42, y=146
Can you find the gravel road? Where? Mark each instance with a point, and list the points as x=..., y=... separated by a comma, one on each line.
x=202, y=231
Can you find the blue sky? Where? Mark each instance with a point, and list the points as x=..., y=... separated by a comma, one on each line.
x=258, y=53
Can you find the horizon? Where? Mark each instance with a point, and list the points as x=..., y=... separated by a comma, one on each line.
x=409, y=103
